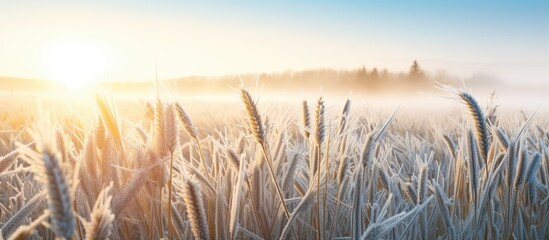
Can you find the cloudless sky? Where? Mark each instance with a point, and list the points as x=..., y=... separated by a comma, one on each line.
x=505, y=39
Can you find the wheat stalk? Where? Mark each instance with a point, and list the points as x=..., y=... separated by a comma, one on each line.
x=58, y=195
x=319, y=122
x=195, y=209
x=121, y=201
x=520, y=173
x=451, y=145
x=473, y=168
x=533, y=168
x=481, y=129
x=234, y=159
x=101, y=218
x=441, y=202
x=110, y=120
x=304, y=205
x=502, y=138
x=356, y=217
x=191, y=131
x=256, y=126
x=306, y=119
x=344, y=116
x=186, y=120
x=254, y=119
x=368, y=149
x=422, y=196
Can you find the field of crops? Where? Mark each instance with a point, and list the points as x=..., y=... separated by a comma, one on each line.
x=151, y=170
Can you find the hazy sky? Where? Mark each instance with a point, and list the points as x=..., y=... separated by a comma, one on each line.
x=507, y=39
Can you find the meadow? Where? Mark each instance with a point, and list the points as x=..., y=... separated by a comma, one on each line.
x=252, y=169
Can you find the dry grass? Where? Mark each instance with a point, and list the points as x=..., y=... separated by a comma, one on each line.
x=278, y=172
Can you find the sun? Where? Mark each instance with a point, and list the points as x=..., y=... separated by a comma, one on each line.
x=75, y=65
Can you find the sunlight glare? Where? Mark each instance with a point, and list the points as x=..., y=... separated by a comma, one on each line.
x=75, y=65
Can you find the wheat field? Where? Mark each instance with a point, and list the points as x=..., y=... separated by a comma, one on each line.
x=254, y=171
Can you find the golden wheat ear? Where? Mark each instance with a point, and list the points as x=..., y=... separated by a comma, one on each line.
x=110, y=120
x=101, y=218
x=320, y=127
x=196, y=212
x=306, y=119
x=254, y=119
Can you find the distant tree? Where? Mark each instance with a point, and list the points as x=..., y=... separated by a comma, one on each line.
x=362, y=73
x=415, y=71
x=374, y=75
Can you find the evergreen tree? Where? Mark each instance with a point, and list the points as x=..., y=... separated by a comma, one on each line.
x=415, y=71
x=362, y=74
x=374, y=75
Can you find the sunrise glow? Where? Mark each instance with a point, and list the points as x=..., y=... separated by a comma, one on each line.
x=74, y=64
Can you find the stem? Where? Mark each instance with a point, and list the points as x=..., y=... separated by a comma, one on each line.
x=170, y=197
x=254, y=209
x=333, y=225
x=78, y=227
x=160, y=224
x=324, y=210
x=319, y=217
x=201, y=155
x=273, y=178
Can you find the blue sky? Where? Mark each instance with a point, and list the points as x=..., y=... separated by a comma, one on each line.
x=506, y=39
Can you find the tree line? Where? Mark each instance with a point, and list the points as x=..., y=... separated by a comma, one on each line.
x=358, y=79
